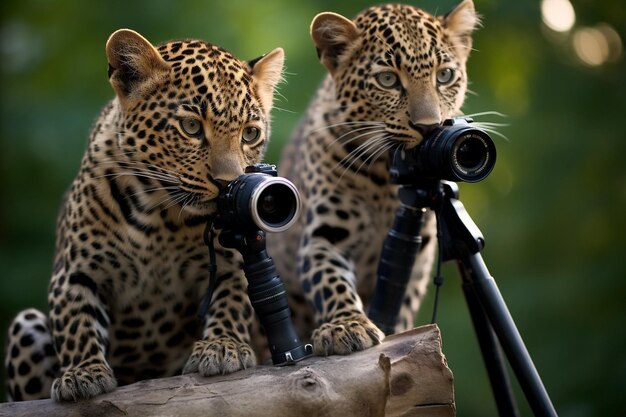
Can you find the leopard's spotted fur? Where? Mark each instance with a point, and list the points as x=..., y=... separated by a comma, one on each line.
x=395, y=72
x=130, y=265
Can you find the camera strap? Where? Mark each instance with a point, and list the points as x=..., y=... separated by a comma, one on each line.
x=209, y=237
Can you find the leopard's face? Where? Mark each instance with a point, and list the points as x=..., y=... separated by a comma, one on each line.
x=194, y=121
x=397, y=65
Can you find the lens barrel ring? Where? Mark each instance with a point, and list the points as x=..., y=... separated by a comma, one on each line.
x=472, y=156
x=294, y=208
x=259, y=200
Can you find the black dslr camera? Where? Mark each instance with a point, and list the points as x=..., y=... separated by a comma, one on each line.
x=454, y=151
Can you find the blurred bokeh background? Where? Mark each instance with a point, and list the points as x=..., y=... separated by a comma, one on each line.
x=552, y=211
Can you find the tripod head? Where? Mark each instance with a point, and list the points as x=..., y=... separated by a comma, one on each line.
x=458, y=234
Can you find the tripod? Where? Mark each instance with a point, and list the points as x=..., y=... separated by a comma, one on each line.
x=267, y=295
x=462, y=241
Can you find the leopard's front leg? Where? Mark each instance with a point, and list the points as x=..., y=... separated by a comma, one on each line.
x=329, y=283
x=79, y=325
x=225, y=346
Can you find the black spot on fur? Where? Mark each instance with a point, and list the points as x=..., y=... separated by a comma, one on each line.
x=332, y=234
x=317, y=301
x=26, y=340
x=23, y=368
x=79, y=278
x=176, y=339
x=30, y=316
x=133, y=322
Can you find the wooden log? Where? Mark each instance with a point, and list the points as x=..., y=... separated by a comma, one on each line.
x=406, y=376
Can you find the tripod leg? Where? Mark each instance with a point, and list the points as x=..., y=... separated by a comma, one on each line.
x=494, y=307
x=492, y=354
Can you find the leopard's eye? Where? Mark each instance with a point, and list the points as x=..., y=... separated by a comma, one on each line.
x=445, y=76
x=250, y=134
x=191, y=126
x=387, y=79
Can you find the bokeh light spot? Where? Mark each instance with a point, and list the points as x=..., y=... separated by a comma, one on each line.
x=614, y=41
x=591, y=46
x=558, y=15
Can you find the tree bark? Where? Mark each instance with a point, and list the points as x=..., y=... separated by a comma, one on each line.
x=407, y=375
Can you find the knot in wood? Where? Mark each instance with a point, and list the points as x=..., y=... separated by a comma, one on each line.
x=401, y=383
x=307, y=382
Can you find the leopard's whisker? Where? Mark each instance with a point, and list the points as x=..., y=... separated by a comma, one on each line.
x=485, y=113
x=358, y=123
x=155, y=173
x=151, y=190
x=147, y=175
x=172, y=201
x=491, y=124
x=142, y=165
x=386, y=147
x=357, y=153
x=370, y=149
x=352, y=139
x=493, y=131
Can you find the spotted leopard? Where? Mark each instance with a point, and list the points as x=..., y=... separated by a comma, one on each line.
x=130, y=267
x=394, y=73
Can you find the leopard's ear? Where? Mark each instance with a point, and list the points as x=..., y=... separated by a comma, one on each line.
x=267, y=72
x=333, y=36
x=135, y=66
x=461, y=22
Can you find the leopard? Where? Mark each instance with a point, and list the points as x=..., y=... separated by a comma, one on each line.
x=394, y=73
x=130, y=267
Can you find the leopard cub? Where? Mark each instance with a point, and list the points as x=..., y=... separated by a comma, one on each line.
x=395, y=72
x=130, y=267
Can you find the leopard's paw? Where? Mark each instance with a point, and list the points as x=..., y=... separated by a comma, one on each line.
x=219, y=356
x=346, y=335
x=85, y=382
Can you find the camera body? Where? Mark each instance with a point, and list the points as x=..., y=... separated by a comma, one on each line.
x=454, y=151
x=259, y=199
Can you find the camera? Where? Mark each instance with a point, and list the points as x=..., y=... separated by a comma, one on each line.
x=256, y=202
x=259, y=199
x=454, y=151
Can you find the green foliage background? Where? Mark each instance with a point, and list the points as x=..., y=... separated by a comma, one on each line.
x=552, y=211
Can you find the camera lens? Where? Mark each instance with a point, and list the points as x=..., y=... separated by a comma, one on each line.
x=268, y=204
x=276, y=205
x=260, y=201
x=470, y=153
